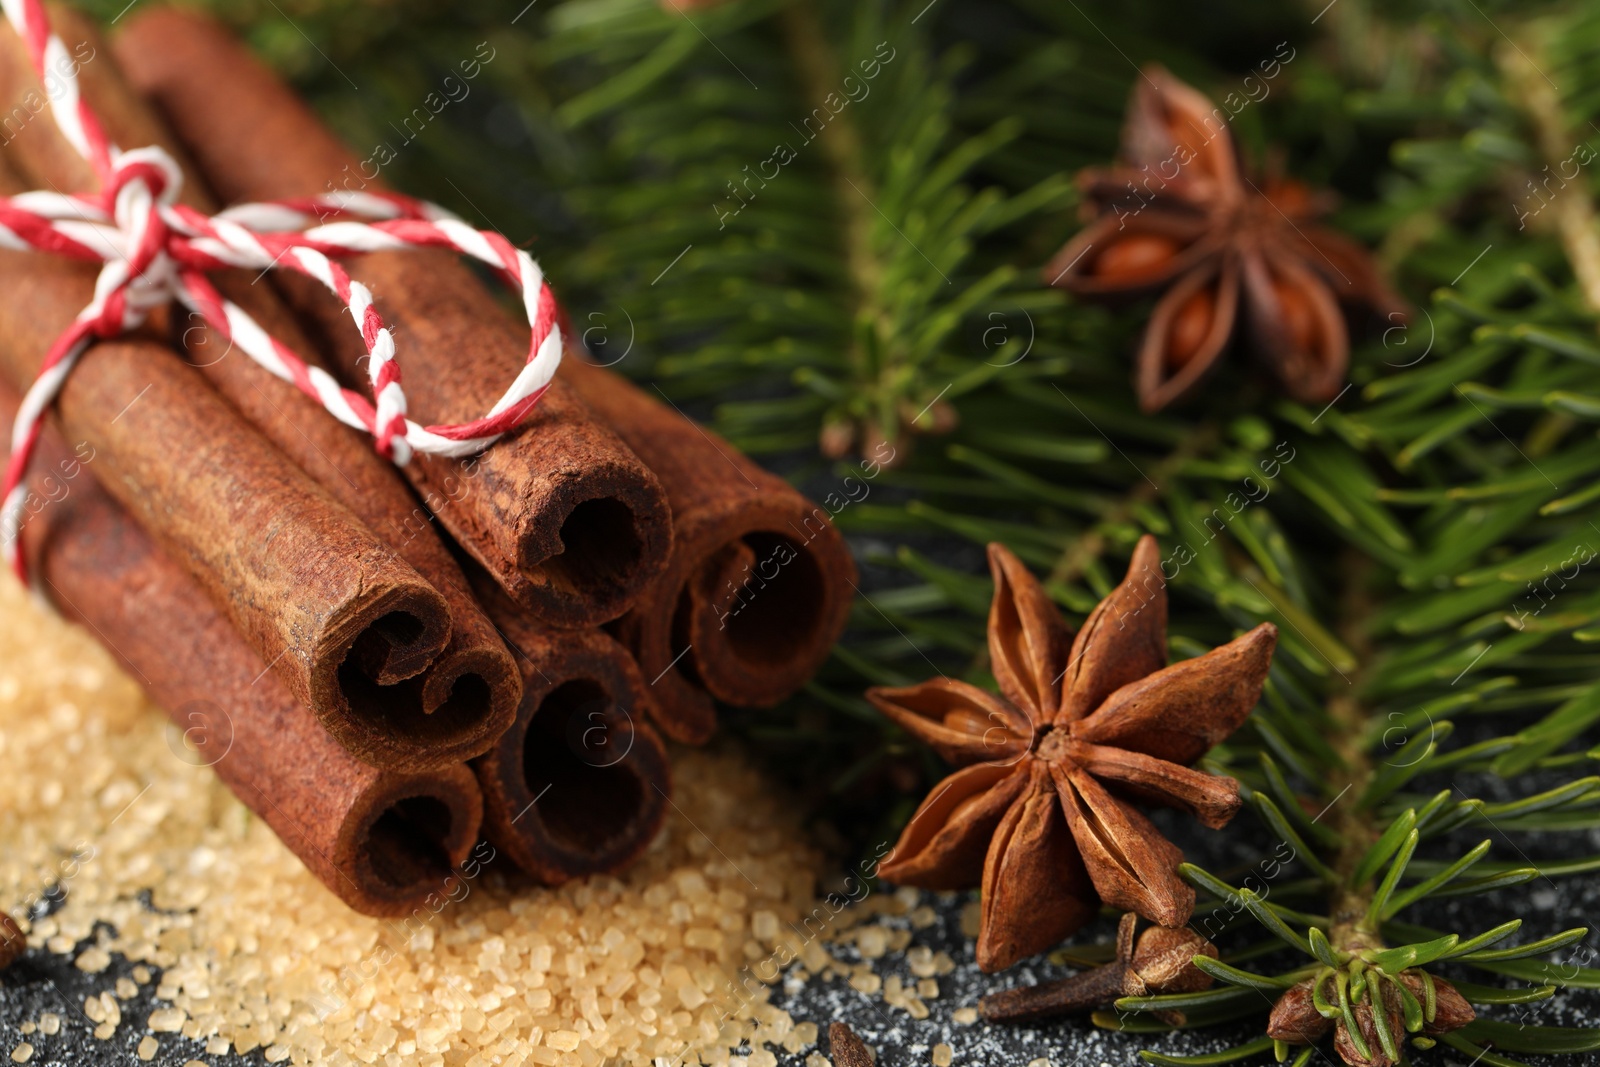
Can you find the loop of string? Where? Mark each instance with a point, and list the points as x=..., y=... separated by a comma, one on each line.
x=156, y=251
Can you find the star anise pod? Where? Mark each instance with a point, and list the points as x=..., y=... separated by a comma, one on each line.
x=1180, y=214
x=1158, y=960
x=1436, y=1007
x=1040, y=811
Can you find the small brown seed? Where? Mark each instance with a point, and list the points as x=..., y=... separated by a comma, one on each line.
x=845, y=1048
x=1136, y=256
x=971, y=722
x=1299, y=320
x=1189, y=328
x=13, y=942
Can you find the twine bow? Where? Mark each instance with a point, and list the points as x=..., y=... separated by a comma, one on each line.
x=157, y=251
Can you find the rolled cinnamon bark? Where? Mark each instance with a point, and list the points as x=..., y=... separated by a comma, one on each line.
x=562, y=514
x=468, y=696
x=760, y=580
x=379, y=840
x=579, y=785
x=313, y=591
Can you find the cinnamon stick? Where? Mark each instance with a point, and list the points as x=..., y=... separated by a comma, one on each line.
x=380, y=840
x=760, y=580
x=468, y=696
x=579, y=785
x=312, y=590
x=562, y=514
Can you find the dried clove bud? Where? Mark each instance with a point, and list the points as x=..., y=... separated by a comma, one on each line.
x=13, y=942
x=1082, y=992
x=845, y=1048
x=1161, y=960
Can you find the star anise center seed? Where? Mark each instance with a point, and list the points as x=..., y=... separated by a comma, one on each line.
x=1053, y=745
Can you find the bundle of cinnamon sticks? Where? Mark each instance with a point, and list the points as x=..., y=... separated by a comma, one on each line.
x=403, y=657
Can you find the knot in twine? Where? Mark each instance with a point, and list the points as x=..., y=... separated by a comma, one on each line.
x=157, y=251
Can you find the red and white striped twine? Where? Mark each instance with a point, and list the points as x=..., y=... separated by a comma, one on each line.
x=155, y=250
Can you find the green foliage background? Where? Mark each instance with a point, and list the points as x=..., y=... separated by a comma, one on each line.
x=1417, y=551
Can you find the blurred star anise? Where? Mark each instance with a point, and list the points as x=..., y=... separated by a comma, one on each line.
x=1179, y=214
x=1039, y=812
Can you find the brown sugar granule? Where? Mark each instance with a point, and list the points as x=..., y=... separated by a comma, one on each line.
x=249, y=951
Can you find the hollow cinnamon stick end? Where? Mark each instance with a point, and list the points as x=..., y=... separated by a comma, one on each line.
x=614, y=539
x=403, y=838
x=579, y=784
x=475, y=684
x=766, y=605
x=390, y=635
x=449, y=715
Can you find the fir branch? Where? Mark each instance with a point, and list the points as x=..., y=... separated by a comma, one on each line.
x=1575, y=220
x=1425, y=512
